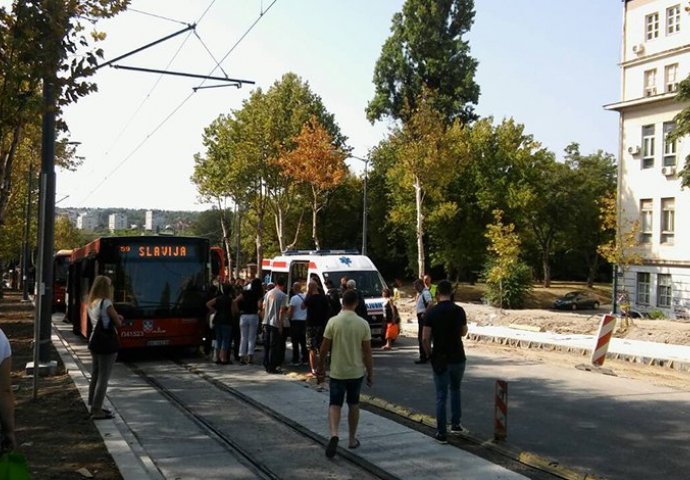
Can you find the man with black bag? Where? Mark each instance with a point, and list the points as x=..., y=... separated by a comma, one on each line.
x=446, y=323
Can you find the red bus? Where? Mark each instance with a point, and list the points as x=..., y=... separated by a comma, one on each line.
x=160, y=287
x=60, y=267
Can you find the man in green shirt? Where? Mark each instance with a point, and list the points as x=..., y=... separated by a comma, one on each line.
x=348, y=338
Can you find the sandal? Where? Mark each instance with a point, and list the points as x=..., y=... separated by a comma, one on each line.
x=357, y=444
x=332, y=447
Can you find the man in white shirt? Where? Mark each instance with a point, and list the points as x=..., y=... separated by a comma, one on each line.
x=275, y=307
x=423, y=304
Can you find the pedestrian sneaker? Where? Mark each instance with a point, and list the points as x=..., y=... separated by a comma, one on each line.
x=457, y=429
x=441, y=438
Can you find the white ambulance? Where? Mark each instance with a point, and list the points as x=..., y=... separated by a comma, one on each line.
x=303, y=265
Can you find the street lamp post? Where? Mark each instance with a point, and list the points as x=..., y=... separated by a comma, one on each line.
x=364, y=203
x=25, y=242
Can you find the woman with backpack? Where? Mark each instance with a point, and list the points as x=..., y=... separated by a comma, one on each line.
x=392, y=317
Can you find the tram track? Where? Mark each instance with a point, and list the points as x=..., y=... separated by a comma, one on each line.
x=301, y=451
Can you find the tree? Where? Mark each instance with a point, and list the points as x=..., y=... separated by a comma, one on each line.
x=427, y=157
x=250, y=141
x=38, y=40
x=593, y=178
x=317, y=163
x=508, y=280
x=426, y=50
x=67, y=237
x=682, y=128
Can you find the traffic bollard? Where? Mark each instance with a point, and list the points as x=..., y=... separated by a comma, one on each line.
x=608, y=323
x=501, y=410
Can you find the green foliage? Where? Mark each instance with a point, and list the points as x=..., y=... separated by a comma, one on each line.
x=513, y=289
x=67, y=237
x=426, y=50
x=508, y=280
x=657, y=315
x=682, y=128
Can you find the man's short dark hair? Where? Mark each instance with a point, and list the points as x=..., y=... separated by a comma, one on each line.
x=350, y=298
x=280, y=282
x=444, y=288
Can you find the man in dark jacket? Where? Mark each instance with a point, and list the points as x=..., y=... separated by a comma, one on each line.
x=446, y=323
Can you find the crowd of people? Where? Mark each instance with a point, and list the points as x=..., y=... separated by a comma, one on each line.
x=329, y=323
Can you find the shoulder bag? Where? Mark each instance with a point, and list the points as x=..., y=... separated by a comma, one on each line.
x=104, y=341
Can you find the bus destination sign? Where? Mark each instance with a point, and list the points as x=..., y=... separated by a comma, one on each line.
x=156, y=251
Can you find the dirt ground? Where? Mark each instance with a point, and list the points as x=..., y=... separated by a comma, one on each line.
x=60, y=442
x=53, y=431
x=541, y=315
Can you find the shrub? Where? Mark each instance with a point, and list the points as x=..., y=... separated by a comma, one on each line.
x=657, y=315
x=512, y=291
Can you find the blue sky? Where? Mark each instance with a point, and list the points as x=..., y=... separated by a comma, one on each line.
x=550, y=64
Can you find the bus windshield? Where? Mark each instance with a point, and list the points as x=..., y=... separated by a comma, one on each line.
x=60, y=268
x=146, y=283
x=369, y=282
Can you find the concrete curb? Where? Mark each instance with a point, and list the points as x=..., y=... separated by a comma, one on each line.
x=127, y=454
x=542, y=463
x=630, y=358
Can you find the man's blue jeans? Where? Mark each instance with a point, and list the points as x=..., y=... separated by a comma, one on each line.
x=450, y=379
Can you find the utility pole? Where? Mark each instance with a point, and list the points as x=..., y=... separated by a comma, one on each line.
x=27, y=233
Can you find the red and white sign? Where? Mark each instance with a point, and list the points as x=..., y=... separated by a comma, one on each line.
x=608, y=324
x=501, y=410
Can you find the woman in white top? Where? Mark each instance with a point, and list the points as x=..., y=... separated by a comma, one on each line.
x=101, y=307
x=9, y=441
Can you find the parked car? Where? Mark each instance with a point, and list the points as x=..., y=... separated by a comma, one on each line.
x=576, y=300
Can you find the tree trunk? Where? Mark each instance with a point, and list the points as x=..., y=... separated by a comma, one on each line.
x=314, y=236
x=297, y=230
x=259, y=243
x=278, y=217
x=593, y=264
x=6, y=172
x=546, y=267
x=226, y=236
x=420, y=227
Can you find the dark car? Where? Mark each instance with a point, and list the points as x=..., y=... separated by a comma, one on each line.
x=576, y=300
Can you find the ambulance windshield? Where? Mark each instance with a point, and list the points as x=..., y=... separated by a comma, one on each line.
x=369, y=282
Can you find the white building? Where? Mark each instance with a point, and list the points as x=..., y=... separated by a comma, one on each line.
x=153, y=220
x=117, y=221
x=655, y=57
x=87, y=221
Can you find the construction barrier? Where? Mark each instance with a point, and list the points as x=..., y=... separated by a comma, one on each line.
x=501, y=410
x=608, y=323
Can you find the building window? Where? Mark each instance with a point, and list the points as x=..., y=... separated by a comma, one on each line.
x=669, y=146
x=646, y=218
x=670, y=75
x=648, y=146
x=643, y=288
x=673, y=20
x=668, y=219
x=663, y=290
x=650, y=82
x=652, y=26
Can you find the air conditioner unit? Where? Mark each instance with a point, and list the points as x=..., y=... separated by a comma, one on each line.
x=668, y=171
x=638, y=49
x=671, y=87
x=634, y=150
x=649, y=91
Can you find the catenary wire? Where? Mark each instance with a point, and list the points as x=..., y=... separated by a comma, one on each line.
x=155, y=15
x=180, y=105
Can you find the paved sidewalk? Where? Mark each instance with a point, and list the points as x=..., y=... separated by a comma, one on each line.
x=135, y=440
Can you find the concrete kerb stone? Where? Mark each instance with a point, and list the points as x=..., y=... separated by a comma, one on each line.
x=528, y=458
x=649, y=361
x=129, y=457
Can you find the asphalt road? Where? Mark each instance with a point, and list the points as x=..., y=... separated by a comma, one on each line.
x=610, y=426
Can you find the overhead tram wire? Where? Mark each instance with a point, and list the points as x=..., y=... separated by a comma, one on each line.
x=155, y=15
x=178, y=107
x=160, y=77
